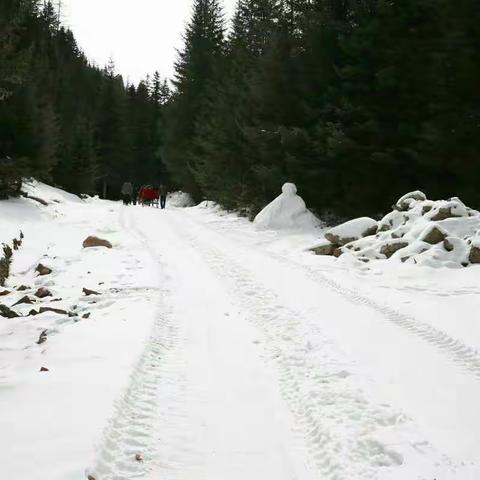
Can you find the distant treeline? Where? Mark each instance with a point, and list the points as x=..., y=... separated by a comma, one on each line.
x=65, y=121
x=356, y=101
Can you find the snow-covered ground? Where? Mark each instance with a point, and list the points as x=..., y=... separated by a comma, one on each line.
x=216, y=351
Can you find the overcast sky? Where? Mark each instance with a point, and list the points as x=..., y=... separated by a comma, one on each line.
x=142, y=36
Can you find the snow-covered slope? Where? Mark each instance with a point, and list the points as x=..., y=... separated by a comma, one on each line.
x=51, y=421
x=217, y=351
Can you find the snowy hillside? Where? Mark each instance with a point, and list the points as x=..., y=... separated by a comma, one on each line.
x=202, y=347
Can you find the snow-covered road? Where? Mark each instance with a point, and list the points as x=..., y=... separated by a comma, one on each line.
x=229, y=355
x=277, y=371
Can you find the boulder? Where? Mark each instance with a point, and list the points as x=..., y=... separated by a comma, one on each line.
x=89, y=292
x=54, y=310
x=406, y=201
x=443, y=213
x=434, y=235
x=93, y=241
x=426, y=209
x=4, y=293
x=44, y=369
x=26, y=300
x=325, y=248
x=139, y=457
x=351, y=231
x=474, y=256
x=43, y=293
x=86, y=315
x=22, y=288
x=454, y=208
x=390, y=248
x=7, y=312
x=448, y=245
x=338, y=252
x=43, y=270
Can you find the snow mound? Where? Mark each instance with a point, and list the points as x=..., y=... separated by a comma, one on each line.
x=180, y=200
x=287, y=212
x=49, y=194
x=442, y=233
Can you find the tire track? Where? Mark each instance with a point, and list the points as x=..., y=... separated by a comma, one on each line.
x=129, y=444
x=336, y=421
x=465, y=357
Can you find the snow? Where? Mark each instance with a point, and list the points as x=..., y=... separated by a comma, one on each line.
x=180, y=199
x=352, y=230
x=287, y=212
x=420, y=227
x=217, y=351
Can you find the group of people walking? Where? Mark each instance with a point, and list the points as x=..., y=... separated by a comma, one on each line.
x=146, y=195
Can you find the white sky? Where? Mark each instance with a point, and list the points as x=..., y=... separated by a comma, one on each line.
x=141, y=35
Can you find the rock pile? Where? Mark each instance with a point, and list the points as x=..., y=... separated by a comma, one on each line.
x=444, y=233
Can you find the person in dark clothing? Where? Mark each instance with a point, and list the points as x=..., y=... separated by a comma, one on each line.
x=127, y=193
x=163, y=196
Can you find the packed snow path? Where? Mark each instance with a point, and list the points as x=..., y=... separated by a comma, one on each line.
x=260, y=367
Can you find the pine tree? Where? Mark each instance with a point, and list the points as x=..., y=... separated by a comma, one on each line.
x=114, y=141
x=196, y=71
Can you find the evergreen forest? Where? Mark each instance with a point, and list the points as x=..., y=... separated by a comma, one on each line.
x=354, y=101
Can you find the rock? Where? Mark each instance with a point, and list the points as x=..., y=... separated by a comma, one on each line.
x=434, y=235
x=474, y=256
x=43, y=270
x=390, y=248
x=351, y=231
x=32, y=313
x=44, y=369
x=91, y=477
x=7, y=313
x=448, y=245
x=86, y=315
x=4, y=293
x=43, y=293
x=338, y=252
x=443, y=213
x=88, y=292
x=42, y=338
x=54, y=310
x=325, y=249
x=96, y=242
x=426, y=209
x=406, y=201
x=454, y=208
x=72, y=314
x=26, y=300
x=139, y=457
x=22, y=288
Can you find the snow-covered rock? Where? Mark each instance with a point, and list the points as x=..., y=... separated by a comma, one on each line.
x=180, y=200
x=353, y=230
x=443, y=233
x=409, y=199
x=287, y=212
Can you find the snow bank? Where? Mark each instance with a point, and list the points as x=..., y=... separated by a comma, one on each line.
x=49, y=194
x=287, y=212
x=443, y=233
x=180, y=200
